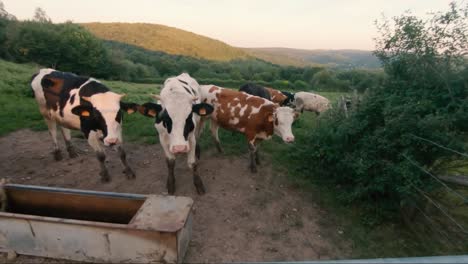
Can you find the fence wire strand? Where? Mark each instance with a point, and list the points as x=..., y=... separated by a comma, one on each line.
x=440, y=146
x=464, y=199
x=440, y=208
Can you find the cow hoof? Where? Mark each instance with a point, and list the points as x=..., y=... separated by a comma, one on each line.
x=72, y=153
x=129, y=172
x=171, y=191
x=200, y=189
x=104, y=176
x=58, y=155
x=170, y=188
x=199, y=185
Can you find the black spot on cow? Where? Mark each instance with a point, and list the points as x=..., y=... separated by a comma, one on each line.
x=165, y=119
x=92, y=121
x=72, y=99
x=256, y=90
x=92, y=88
x=184, y=82
x=119, y=116
x=188, y=91
x=290, y=98
x=189, y=126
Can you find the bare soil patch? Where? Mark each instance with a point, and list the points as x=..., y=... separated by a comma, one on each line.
x=242, y=217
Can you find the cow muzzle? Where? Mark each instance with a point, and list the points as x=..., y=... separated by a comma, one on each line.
x=111, y=141
x=179, y=149
x=288, y=139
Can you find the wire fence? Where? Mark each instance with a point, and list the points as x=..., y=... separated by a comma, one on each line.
x=432, y=201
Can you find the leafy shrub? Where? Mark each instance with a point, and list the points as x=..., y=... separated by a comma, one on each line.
x=368, y=155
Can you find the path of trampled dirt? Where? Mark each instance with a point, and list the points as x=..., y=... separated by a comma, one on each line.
x=242, y=217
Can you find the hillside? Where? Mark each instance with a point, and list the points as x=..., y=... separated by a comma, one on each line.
x=333, y=58
x=180, y=42
x=166, y=39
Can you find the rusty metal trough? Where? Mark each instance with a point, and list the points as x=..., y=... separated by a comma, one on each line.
x=95, y=226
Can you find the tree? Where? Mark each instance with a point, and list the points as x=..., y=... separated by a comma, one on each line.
x=41, y=16
x=370, y=154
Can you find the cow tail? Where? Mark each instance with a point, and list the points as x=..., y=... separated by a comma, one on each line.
x=30, y=84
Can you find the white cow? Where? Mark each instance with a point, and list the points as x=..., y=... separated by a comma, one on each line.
x=176, y=124
x=311, y=102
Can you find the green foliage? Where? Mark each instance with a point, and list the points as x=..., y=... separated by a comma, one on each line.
x=424, y=93
x=67, y=47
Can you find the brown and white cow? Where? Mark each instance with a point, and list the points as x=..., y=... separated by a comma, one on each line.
x=177, y=125
x=257, y=118
x=82, y=103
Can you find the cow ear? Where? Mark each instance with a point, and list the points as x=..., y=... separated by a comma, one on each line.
x=270, y=118
x=130, y=108
x=149, y=109
x=202, y=109
x=82, y=110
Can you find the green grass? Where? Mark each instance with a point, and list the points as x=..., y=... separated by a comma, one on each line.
x=19, y=110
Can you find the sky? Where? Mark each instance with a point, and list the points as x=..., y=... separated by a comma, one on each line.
x=303, y=24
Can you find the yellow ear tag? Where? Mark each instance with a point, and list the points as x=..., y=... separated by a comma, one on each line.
x=152, y=112
x=270, y=118
x=202, y=111
x=85, y=113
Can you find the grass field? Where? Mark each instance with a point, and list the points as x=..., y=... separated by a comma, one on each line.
x=18, y=110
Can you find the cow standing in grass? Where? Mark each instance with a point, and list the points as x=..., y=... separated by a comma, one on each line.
x=255, y=117
x=177, y=120
x=82, y=103
x=312, y=102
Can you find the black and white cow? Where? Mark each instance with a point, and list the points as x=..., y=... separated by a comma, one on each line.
x=177, y=125
x=82, y=103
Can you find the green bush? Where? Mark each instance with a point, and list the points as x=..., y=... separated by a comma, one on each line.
x=424, y=94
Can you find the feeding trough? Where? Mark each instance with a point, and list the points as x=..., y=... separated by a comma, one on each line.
x=95, y=226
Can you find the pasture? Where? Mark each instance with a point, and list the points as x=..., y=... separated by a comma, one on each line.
x=285, y=217
x=264, y=208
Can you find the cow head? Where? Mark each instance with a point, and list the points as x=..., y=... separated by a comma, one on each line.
x=289, y=101
x=174, y=113
x=283, y=118
x=103, y=112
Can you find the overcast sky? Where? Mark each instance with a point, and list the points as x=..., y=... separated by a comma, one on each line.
x=306, y=24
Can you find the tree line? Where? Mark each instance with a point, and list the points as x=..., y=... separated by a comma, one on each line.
x=71, y=47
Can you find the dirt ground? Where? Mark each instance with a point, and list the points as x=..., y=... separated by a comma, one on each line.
x=242, y=217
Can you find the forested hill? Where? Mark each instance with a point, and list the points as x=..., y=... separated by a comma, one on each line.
x=180, y=42
x=300, y=57
x=166, y=39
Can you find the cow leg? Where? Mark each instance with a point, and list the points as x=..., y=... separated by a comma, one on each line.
x=197, y=151
x=93, y=140
x=52, y=125
x=192, y=163
x=214, y=132
x=123, y=158
x=257, y=158
x=170, y=183
x=70, y=148
x=170, y=161
x=252, y=152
